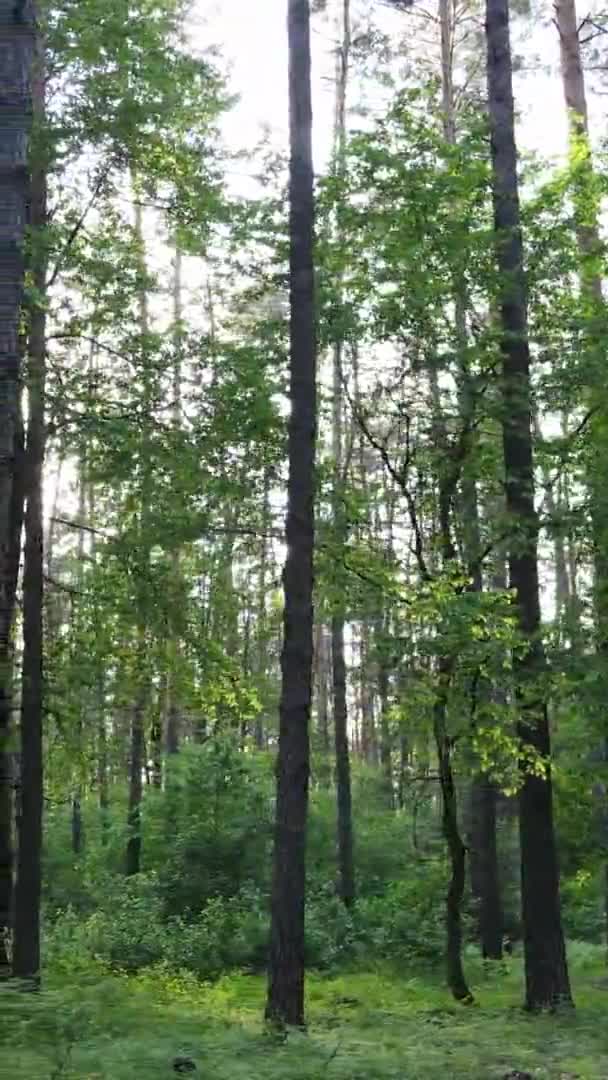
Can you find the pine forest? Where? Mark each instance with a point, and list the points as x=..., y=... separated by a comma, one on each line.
x=303, y=539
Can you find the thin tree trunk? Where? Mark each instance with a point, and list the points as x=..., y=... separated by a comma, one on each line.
x=100, y=693
x=483, y=853
x=456, y=849
x=386, y=750
x=285, y=1002
x=261, y=620
x=483, y=860
x=136, y=760
x=26, y=950
x=17, y=40
x=7, y=707
x=322, y=696
x=137, y=757
x=547, y=982
x=346, y=865
x=173, y=732
x=588, y=240
x=76, y=823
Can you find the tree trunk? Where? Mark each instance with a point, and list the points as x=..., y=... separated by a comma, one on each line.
x=173, y=725
x=76, y=822
x=547, y=982
x=7, y=707
x=321, y=666
x=588, y=239
x=262, y=620
x=137, y=757
x=456, y=849
x=483, y=860
x=346, y=866
x=285, y=1003
x=26, y=950
x=136, y=762
x=17, y=50
x=386, y=750
x=483, y=856
x=368, y=742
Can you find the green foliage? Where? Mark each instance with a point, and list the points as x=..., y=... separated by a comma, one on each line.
x=367, y=1026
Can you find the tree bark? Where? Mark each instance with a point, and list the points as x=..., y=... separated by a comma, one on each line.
x=140, y=707
x=17, y=51
x=483, y=860
x=386, y=749
x=589, y=245
x=136, y=762
x=547, y=982
x=321, y=667
x=26, y=949
x=346, y=865
x=285, y=1002
x=456, y=849
x=173, y=732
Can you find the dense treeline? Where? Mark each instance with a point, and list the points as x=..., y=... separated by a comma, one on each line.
x=375, y=734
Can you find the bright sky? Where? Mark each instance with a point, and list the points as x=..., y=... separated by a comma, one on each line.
x=253, y=41
x=251, y=35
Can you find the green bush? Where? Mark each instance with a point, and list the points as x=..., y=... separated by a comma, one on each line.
x=583, y=906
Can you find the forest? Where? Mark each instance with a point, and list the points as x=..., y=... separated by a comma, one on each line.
x=303, y=540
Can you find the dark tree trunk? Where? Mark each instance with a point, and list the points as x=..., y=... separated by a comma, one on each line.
x=136, y=767
x=7, y=777
x=137, y=758
x=26, y=949
x=102, y=769
x=589, y=245
x=17, y=50
x=386, y=749
x=285, y=1003
x=173, y=724
x=369, y=750
x=404, y=753
x=483, y=861
x=547, y=982
x=321, y=666
x=346, y=866
x=456, y=849
x=76, y=829
x=156, y=737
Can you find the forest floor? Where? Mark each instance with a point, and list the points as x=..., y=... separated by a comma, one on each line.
x=362, y=1026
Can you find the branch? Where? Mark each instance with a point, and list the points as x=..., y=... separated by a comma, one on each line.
x=62, y=585
x=77, y=227
x=399, y=476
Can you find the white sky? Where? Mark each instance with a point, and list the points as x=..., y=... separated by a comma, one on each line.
x=252, y=37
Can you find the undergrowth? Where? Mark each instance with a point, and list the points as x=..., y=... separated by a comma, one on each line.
x=374, y=1025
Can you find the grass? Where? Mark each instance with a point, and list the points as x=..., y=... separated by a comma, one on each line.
x=377, y=1025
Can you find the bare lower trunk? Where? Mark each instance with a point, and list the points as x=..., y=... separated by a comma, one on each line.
x=7, y=708
x=322, y=687
x=590, y=248
x=547, y=982
x=386, y=750
x=26, y=950
x=346, y=865
x=456, y=849
x=17, y=50
x=136, y=767
x=483, y=860
x=285, y=1001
